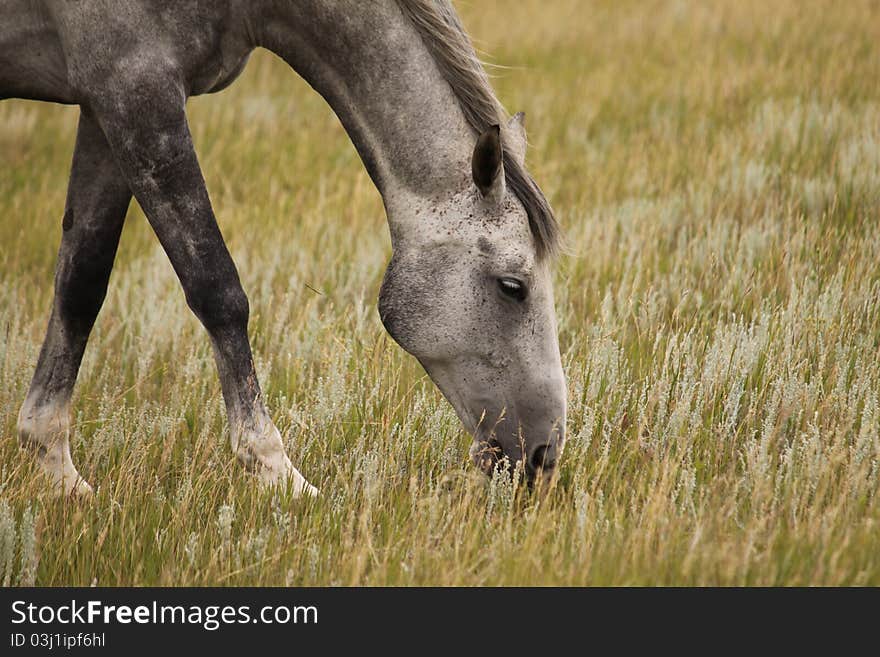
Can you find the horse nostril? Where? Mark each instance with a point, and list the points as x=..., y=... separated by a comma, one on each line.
x=544, y=457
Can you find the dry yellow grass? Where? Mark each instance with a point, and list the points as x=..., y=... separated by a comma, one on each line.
x=716, y=166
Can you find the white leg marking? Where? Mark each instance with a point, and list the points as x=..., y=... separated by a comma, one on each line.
x=263, y=452
x=46, y=432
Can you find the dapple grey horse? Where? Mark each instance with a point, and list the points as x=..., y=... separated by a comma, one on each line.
x=468, y=289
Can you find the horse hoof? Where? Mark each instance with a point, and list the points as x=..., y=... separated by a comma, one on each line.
x=80, y=490
x=289, y=475
x=71, y=488
x=64, y=481
x=307, y=490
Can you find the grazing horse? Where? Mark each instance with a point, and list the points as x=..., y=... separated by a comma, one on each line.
x=468, y=288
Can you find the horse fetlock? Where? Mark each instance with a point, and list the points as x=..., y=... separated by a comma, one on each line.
x=41, y=427
x=262, y=452
x=45, y=432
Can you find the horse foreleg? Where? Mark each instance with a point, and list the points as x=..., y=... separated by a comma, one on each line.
x=97, y=200
x=145, y=123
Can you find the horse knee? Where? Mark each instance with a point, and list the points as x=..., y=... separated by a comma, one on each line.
x=219, y=305
x=80, y=294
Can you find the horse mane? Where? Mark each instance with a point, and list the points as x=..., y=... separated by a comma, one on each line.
x=443, y=34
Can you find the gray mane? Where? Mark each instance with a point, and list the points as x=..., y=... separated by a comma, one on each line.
x=443, y=34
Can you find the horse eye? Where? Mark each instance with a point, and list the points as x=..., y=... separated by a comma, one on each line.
x=510, y=287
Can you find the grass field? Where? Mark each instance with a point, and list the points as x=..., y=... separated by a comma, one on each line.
x=716, y=167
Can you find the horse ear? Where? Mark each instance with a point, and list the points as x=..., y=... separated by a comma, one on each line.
x=515, y=137
x=487, y=164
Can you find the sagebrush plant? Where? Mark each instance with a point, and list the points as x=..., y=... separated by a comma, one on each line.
x=716, y=167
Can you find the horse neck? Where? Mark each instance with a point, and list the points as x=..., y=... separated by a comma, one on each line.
x=369, y=62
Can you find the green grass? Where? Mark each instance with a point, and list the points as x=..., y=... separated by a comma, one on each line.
x=716, y=166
